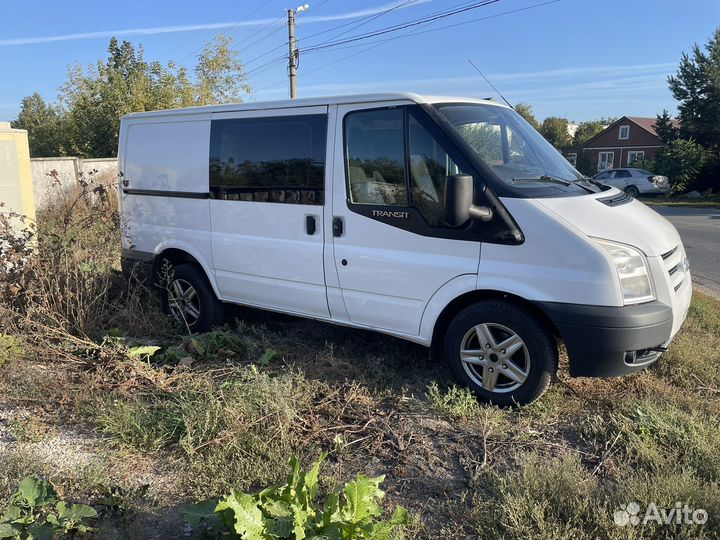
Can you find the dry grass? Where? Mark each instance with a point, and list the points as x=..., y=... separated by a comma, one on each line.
x=206, y=414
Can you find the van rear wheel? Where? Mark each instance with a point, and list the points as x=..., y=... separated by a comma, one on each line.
x=501, y=351
x=190, y=300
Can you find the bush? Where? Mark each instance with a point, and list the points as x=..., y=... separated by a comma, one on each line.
x=681, y=161
x=60, y=288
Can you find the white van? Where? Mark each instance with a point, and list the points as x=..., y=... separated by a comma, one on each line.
x=445, y=221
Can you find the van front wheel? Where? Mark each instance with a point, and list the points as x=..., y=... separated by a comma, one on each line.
x=190, y=300
x=502, y=351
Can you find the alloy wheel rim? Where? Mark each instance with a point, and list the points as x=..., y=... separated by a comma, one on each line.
x=183, y=302
x=495, y=357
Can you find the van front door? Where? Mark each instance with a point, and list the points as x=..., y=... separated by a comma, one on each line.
x=391, y=248
x=267, y=196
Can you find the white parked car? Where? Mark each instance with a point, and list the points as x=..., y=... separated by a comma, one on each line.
x=635, y=182
x=446, y=221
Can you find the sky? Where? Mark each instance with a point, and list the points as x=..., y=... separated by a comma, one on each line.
x=579, y=59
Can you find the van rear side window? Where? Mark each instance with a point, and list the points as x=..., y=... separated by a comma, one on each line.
x=273, y=159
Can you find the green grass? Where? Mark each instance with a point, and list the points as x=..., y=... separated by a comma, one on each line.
x=9, y=348
x=232, y=433
x=558, y=468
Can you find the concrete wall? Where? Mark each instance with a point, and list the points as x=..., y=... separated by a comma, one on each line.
x=69, y=171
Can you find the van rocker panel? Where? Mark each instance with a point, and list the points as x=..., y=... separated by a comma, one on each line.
x=599, y=338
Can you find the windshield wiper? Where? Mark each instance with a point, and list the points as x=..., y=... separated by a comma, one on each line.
x=544, y=178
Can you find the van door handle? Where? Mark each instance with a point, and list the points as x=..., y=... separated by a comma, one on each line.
x=337, y=226
x=310, y=225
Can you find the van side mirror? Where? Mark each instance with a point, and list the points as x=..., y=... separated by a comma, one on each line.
x=459, y=207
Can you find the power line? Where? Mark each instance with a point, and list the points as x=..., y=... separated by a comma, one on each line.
x=395, y=28
x=230, y=29
x=437, y=29
x=358, y=23
x=412, y=33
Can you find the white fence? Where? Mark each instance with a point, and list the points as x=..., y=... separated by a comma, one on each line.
x=69, y=171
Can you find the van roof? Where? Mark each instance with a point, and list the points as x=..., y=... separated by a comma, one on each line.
x=313, y=101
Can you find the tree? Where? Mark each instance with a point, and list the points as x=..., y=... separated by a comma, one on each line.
x=664, y=128
x=555, y=130
x=584, y=164
x=526, y=111
x=43, y=123
x=220, y=74
x=697, y=87
x=681, y=161
x=93, y=99
x=587, y=130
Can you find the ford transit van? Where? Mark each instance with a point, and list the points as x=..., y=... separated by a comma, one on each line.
x=446, y=221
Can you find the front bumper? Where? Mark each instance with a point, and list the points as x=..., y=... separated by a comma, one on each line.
x=606, y=341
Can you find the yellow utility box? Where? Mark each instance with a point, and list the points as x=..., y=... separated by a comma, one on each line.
x=16, y=186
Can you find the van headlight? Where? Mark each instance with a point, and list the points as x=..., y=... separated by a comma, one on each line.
x=632, y=268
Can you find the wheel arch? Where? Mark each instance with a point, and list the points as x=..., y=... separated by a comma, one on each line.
x=471, y=297
x=175, y=255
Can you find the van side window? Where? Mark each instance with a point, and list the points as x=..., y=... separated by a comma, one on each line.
x=269, y=159
x=376, y=157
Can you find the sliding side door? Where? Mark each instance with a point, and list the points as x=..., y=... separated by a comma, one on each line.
x=267, y=200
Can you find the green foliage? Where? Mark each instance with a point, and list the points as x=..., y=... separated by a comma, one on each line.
x=44, y=124
x=218, y=344
x=585, y=164
x=681, y=161
x=30, y=514
x=696, y=85
x=538, y=497
x=526, y=111
x=143, y=351
x=455, y=402
x=293, y=511
x=9, y=348
x=587, y=130
x=555, y=130
x=86, y=119
x=242, y=428
x=665, y=129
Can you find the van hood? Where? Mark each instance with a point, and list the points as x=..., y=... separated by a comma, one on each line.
x=610, y=215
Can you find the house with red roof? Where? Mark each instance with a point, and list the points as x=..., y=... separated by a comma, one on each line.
x=628, y=139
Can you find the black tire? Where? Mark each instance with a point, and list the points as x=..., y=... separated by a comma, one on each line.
x=633, y=191
x=534, y=363
x=210, y=309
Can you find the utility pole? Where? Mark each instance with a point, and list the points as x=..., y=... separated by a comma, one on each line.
x=293, y=52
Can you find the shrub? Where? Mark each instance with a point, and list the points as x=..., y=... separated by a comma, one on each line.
x=60, y=288
x=293, y=511
x=681, y=161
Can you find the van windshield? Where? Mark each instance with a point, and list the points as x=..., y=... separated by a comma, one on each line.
x=509, y=145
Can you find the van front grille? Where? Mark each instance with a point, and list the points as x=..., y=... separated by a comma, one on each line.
x=669, y=253
x=616, y=200
x=674, y=267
